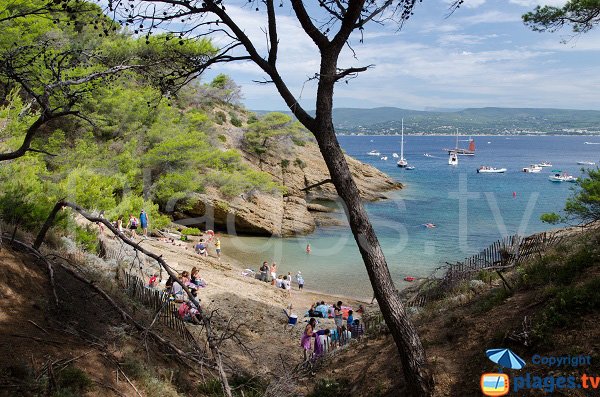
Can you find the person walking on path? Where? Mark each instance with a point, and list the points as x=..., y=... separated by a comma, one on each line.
x=144, y=221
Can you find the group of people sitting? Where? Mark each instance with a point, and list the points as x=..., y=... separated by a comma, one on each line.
x=341, y=334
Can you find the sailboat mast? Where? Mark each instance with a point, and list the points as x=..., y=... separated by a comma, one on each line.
x=457, y=138
x=402, y=142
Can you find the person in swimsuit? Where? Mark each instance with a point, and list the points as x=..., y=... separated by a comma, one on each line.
x=338, y=317
x=273, y=273
x=306, y=337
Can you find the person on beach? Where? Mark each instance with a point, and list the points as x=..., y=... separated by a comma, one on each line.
x=321, y=342
x=300, y=280
x=287, y=285
x=306, y=337
x=279, y=282
x=338, y=318
x=218, y=247
x=144, y=222
x=200, y=248
x=263, y=271
x=350, y=320
x=273, y=273
x=153, y=281
x=196, y=279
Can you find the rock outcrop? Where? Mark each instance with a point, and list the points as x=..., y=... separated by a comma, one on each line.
x=297, y=211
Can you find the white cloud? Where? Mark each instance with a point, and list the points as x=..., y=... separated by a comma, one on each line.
x=533, y=3
x=491, y=17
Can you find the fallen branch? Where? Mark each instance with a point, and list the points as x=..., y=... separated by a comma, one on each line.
x=212, y=340
x=37, y=326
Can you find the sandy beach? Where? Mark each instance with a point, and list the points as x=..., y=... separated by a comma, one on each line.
x=256, y=305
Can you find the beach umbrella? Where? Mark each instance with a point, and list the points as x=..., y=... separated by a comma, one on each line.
x=505, y=358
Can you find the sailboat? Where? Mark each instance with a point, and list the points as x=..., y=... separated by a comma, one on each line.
x=402, y=163
x=463, y=152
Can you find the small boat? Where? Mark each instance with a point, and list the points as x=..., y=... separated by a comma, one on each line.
x=533, y=168
x=410, y=167
x=490, y=170
x=453, y=159
x=410, y=279
x=374, y=153
x=586, y=163
x=545, y=164
x=384, y=158
x=395, y=155
x=402, y=163
x=427, y=155
x=592, y=143
x=562, y=177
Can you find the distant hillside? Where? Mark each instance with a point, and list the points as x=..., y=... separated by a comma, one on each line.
x=491, y=120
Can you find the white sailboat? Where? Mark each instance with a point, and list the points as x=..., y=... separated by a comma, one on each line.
x=402, y=163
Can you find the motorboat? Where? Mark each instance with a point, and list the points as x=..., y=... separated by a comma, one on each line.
x=592, y=143
x=427, y=155
x=562, y=177
x=490, y=170
x=533, y=168
x=384, y=158
x=545, y=164
x=374, y=153
x=410, y=167
x=586, y=163
x=395, y=155
x=402, y=163
x=453, y=158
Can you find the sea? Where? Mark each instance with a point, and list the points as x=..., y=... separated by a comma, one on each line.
x=469, y=210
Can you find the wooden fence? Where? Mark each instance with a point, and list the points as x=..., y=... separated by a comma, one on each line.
x=501, y=255
x=159, y=302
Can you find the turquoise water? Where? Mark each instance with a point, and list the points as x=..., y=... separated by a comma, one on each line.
x=470, y=210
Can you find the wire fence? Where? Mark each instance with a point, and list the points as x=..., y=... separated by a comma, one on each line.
x=502, y=255
x=158, y=301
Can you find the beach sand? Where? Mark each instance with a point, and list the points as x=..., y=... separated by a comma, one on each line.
x=256, y=306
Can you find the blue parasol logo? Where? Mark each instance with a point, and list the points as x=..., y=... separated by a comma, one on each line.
x=505, y=358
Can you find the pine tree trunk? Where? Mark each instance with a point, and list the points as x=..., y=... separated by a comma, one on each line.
x=410, y=349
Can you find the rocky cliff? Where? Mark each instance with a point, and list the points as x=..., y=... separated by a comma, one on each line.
x=296, y=210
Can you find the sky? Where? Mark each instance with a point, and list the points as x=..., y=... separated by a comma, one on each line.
x=481, y=55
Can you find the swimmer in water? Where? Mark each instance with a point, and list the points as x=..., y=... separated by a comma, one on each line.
x=429, y=225
x=308, y=248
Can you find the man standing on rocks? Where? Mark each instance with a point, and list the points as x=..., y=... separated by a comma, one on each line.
x=273, y=273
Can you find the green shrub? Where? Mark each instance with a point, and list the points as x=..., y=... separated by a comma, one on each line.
x=494, y=298
x=566, y=305
x=235, y=120
x=87, y=237
x=222, y=137
x=329, y=388
x=73, y=381
x=191, y=231
x=220, y=118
